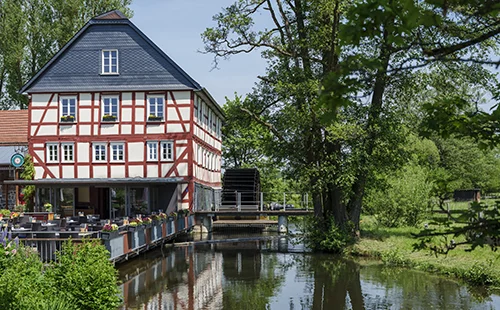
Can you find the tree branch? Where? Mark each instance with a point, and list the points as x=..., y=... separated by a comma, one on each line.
x=260, y=121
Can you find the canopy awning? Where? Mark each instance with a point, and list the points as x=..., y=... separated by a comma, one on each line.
x=97, y=181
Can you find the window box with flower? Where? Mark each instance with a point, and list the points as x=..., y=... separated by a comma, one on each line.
x=67, y=119
x=109, y=231
x=113, y=240
x=136, y=234
x=109, y=118
x=154, y=118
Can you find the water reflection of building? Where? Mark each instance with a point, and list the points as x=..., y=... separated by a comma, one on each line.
x=183, y=279
x=241, y=261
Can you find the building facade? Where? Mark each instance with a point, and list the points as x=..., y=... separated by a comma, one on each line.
x=117, y=124
x=13, y=140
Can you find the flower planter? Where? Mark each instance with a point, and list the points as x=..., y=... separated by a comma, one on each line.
x=137, y=238
x=180, y=224
x=108, y=235
x=170, y=227
x=114, y=244
x=155, y=119
x=156, y=232
x=67, y=119
x=109, y=118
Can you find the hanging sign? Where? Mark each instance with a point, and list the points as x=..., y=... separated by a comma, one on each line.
x=17, y=160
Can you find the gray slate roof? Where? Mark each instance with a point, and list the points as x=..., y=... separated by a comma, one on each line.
x=142, y=64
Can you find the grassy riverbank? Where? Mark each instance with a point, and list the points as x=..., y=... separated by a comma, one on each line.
x=394, y=246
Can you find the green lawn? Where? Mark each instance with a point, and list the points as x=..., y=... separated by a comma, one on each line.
x=395, y=247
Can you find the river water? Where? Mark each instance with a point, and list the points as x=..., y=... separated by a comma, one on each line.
x=274, y=273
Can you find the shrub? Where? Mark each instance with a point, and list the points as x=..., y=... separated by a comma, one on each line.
x=86, y=275
x=324, y=235
x=406, y=199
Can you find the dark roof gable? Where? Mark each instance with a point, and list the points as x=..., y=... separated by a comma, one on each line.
x=142, y=64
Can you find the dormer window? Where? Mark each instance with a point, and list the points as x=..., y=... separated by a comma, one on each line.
x=109, y=62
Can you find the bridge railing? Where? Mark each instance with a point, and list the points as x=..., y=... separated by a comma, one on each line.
x=245, y=200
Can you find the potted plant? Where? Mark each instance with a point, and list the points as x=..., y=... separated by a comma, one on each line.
x=108, y=118
x=48, y=207
x=67, y=118
x=154, y=118
x=109, y=231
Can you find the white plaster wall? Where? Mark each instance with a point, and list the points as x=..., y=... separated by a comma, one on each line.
x=83, y=153
x=40, y=100
x=84, y=115
x=100, y=171
x=67, y=129
x=45, y=130
x=139, y=129
x=126, y=99
x=140, y=113
x=118, y=171
x=36, y=115
x=83, y=172
x=165, y=168
x=38, y=172
x=183, y=169
x=181, y=97
x=41, y=154
x=126, y=115
x=109, y=129
x=152, y=171
x=85, y=99
x=37, y=145
x=172, y=114
x=126, y=129
x=139, y=99
x=68, y=171
x=135, y=171
x=51, y=116
x=179, y=151
x=55, y=171
x=172, y=128
x=185, y=113
x=135, y=151
x=85, y=130
x=155, y=128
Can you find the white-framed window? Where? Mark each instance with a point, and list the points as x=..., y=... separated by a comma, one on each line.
x=68, y=107
x=210, y=116
x=52, y=152
x=110, y=108
x=99, y=152
x=117, y=152
x=156, y=105
x=109, y=62
x=152, y=150
x=167, y=150
x=67, y=152
x=196, y=108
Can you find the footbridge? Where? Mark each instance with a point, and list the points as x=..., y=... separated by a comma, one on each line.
x=206, y=218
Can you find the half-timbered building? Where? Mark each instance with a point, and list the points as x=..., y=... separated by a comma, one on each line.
x=116, y=127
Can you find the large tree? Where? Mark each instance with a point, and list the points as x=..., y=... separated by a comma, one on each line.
x=32, y=31
x=334, y=69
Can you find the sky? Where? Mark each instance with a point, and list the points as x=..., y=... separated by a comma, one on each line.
x=176, y=27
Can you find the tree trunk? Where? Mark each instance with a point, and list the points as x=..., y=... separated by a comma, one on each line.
x=358, y=188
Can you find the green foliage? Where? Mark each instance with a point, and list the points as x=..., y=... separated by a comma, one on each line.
x=324, y=235
x=31, y=32
x=82, y=279
x=406, y=199
x=86, y=275
x=28, y=174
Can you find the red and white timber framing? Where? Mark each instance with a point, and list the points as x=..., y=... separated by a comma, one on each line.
x=132, y=128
